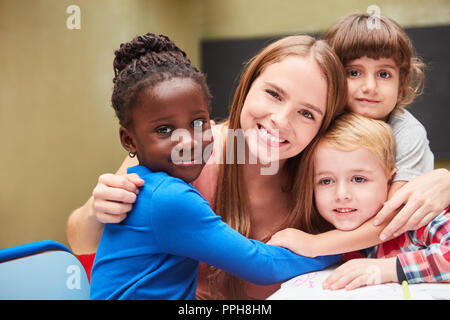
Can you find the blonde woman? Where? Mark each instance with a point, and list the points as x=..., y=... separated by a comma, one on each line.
x=288, y=94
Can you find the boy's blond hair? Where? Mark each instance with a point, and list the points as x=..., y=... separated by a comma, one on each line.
x=354, y=36
x=352, y=131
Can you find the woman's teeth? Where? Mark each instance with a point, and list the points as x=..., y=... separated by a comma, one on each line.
x=270, y=137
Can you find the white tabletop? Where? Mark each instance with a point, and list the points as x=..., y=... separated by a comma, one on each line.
x=309, y=287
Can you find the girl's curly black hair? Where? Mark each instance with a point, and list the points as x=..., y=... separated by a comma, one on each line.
x=144, y=62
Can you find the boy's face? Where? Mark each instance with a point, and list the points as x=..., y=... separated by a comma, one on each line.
x=373, y=86
x=349, y=186
x=164, y=119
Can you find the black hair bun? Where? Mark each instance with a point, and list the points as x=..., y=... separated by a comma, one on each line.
x=142, y=45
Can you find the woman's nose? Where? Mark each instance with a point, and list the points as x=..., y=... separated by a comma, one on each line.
x=280, y=117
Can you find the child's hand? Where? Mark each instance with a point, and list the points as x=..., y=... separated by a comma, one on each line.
x=362, y=272
x=295, y=240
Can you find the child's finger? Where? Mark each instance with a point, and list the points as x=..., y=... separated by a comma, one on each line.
x=332, y=281
x=357, y=282
x=336, y=274
x=343, y=281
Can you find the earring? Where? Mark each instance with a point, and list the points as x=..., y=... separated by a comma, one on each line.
x=131, y=154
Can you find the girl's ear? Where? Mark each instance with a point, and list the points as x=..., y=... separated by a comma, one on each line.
x=127, y=140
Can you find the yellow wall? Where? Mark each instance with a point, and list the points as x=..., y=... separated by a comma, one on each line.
x=252, y=18
x=57, y=127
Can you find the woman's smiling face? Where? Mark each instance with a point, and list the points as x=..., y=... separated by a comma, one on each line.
x=284, y=107
x=164, y=119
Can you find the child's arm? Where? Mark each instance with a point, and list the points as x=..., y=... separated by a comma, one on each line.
x=331, y=242
x=334, y=241
x=185, y=226
x=423, y=198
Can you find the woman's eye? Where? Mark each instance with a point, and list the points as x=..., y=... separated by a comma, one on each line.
x=359, y=179
x=198, y=123
x=353, y=73
x=306, y=114
x=274, y=94
x=163, y=130
x=384, y=74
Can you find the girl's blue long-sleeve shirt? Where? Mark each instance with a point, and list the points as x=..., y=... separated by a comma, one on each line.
x=154, y=252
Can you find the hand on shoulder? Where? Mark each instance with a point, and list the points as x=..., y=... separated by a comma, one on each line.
x=419, y=201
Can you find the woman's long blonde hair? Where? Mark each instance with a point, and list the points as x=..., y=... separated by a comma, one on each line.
x=231, y=196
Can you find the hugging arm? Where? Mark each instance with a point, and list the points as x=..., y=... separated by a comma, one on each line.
x=193, y=230
x=414, y=205
x=331, y=242
x=420, y=201
x=111, y=199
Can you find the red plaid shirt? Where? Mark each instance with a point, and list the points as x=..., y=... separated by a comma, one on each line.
x=424, y=253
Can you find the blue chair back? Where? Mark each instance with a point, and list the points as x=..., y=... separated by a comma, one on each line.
x=43, y=270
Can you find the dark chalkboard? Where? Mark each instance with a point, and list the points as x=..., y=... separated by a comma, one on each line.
x=223, y=60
